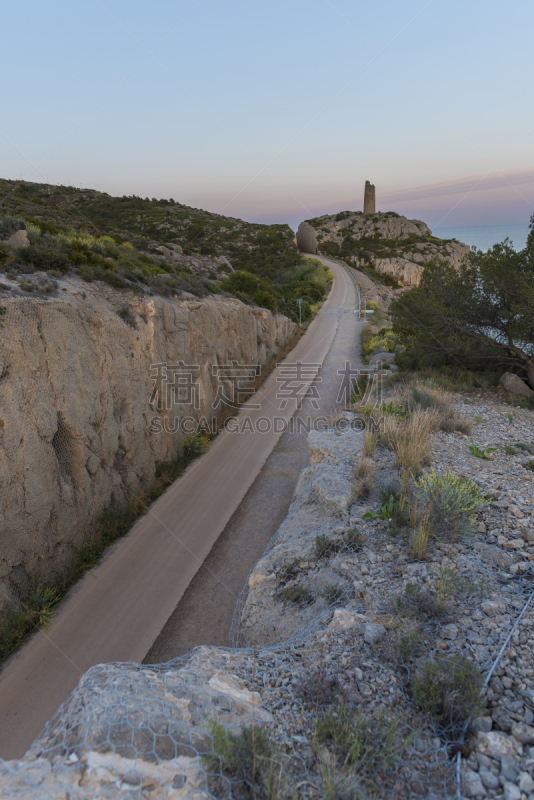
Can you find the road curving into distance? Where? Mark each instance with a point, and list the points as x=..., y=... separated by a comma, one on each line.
x=118, y=611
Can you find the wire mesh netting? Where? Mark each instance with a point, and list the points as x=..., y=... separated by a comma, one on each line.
x=326, y=691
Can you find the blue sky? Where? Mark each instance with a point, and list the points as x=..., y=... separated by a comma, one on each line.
x=277, y=111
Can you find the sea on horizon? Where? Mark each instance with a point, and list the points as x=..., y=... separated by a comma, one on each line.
x=485, y=236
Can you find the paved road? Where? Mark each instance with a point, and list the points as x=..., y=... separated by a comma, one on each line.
x=205, y=612
x=117, y=612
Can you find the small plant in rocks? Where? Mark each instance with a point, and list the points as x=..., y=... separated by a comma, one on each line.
x=529, y=465
x=324, y=547
x=353, y=540
x=417, y=602
x=480, y=452
x=249, y=758
x=332, y=593
x=362, y=750
x=451, y=501
x=297, y=594
x=195, y=445
x=319, y=687
x=527, y=448
x=509, y=450
x=449, y=688
x=289, y=571
x=409, y=644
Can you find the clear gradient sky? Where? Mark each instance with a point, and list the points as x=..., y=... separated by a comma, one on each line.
x=277, y=111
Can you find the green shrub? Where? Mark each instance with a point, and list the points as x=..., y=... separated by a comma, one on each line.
x=453, y=502
x=10, y=225
x=409, y=643
x=45, y=257
x=297, y=594
x=353, y=539
x=289, y=571
x=248, y=758
x=324, y=547
x=417, y=602
x=359, y=744
x=449, y=688
x=195, y=445
x=332, y=593
x=509, y=450
x=6, y=254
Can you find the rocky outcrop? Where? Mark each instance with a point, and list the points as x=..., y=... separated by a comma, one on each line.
x=75, y=418
x=306, y=238
x=131, y=729
x=320, y=507
x=389, y=243
x=513, y=383
x=19, y=239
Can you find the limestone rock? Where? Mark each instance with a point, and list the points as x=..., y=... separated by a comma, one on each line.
x=473, y=785
x=513, y=383
x=404, y=262
x=494, y=744
x=306, y=238
x=128, y=728
x=373, y=633
x=19, y=239
x=523, y=733
x=76, y=390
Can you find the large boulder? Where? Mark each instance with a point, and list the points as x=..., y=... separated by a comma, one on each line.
x=19, y=239
x=513, y=383
x=306, y=238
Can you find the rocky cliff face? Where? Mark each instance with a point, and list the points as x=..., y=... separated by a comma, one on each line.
x=391, y=244
x=75, y=386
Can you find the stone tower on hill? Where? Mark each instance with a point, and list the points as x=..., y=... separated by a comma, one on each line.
x=369, y=199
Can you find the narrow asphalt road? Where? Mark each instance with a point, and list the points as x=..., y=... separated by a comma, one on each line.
x=119, y=609
x=205, y=612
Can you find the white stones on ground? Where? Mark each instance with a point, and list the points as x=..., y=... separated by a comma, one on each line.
x=483, y=724
x=473, y=785
x=492, y=608
x=523, y=733
x=495, y=744
x=344, y=619
x=511, y=791
x=489, y=780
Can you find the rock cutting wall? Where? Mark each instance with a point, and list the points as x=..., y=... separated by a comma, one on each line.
x=75, y=386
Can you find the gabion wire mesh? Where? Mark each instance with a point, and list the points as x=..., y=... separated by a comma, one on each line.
x=319, y=631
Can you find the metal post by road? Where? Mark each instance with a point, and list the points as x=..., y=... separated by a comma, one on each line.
x=299, y=301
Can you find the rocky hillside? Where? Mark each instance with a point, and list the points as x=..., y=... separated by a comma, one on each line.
x=76, y=381
x=154, y=245
x=395, y=247
x=377, y=663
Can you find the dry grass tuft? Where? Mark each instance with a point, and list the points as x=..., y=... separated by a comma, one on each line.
x=409, y=438
x=369, y=444
x=418, y=397
x=364, y=473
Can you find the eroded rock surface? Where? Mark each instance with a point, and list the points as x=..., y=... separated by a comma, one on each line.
x=391, y=244
x=75, y=417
